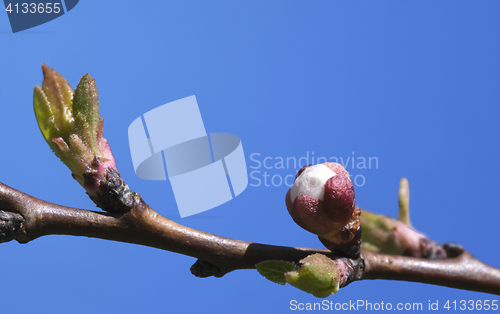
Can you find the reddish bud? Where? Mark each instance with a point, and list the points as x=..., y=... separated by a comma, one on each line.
x=322, y=201
x=339, y=198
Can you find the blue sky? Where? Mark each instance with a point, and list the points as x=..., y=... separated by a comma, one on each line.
x=412, y=84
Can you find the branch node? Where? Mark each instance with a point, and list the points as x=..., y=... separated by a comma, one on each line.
x=432, y=250
x=355, y=272
x=114, y=194
x=10, y=224
x=204, y=269
x=453, y=250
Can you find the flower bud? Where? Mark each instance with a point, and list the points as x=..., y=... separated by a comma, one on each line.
x=322, y=201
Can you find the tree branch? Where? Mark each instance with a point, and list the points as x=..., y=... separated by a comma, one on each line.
x=25, y=218
x=141, y=225
x=461, y=272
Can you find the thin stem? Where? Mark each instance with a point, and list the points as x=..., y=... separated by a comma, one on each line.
x=461, y=272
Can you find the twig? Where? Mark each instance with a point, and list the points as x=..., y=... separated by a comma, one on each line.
x=25, y=218
x=143, y=226
x=461, y=272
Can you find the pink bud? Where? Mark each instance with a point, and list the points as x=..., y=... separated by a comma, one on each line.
x=339, y=198
x=322, y=201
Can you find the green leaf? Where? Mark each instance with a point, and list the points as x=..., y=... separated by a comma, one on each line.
x=52, y=105
x=404, y=202
x=318, y=275
x=44, y=115
x=58, y=94
x=86, y=112
x=275, y=270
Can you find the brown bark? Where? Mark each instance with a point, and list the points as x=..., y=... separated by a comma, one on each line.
x=25, y=218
